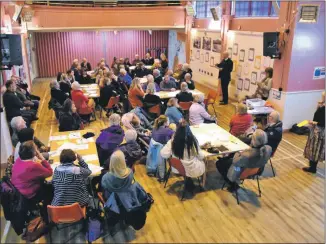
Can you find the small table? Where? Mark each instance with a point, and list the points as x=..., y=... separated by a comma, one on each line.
x=216, y=135
x=91, y=90
x=171, y=94
x=74, y=140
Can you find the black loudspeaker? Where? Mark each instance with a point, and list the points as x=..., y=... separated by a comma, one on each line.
x=271, y=44
x=11, y=51
x=214, y=14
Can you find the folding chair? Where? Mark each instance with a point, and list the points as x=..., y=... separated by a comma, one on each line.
x=249, y=173
x=185, y=106
x=69, y=214
x=112, y=102
x=176, y=163
x=211, y=100
x=270, y=161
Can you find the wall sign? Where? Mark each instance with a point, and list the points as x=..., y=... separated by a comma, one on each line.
x=319, y=73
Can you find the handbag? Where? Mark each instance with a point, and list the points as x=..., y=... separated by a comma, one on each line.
x=35, y=229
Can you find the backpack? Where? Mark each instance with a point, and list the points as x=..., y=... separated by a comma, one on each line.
x=95, y=224
x=300, y=130
x=35, y=229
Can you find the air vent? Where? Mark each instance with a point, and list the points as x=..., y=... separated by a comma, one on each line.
x=309, y=13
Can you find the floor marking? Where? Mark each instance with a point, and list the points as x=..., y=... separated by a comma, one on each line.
x=293, y=145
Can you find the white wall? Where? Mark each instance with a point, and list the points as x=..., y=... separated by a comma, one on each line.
x=176, y=48
x=202, y=61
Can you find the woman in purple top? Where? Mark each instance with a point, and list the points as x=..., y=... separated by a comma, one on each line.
x=161, y=133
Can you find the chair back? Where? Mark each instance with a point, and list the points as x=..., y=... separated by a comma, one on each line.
x=248, y=172
x=66, y=214
x=211, y=97
x=176, y=163
x=113, y=101
x=155, y=110
x=185, y=105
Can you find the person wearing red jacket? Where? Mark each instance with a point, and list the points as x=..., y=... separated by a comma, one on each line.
x=241, y=121
x=84, y=105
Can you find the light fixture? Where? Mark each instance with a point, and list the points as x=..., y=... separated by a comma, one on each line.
x=115, y=32
x=150, y=32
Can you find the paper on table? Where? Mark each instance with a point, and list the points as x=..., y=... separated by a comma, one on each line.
x=83, y=140
x=95, y=168
x=303, y=123
x=90, y=157
x=80, y=147
x=74, y=135
x=58, y=138
x=73, y=146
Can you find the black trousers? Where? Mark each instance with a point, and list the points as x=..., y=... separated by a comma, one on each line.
x=225, y=90
x=223, y=166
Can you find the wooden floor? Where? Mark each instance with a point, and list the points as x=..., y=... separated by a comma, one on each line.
x=291, y=209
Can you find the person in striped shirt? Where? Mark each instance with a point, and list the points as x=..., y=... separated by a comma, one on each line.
x=69, y=180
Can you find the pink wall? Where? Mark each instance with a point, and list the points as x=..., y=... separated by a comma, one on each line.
x=56, y=50
x=308, y=52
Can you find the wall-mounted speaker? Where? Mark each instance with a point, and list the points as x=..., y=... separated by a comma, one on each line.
x=271, y=40
x=11, y=52
x=215, y=14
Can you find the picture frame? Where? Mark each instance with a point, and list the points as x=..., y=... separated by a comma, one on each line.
x=251, y=54
x=242, y=54
x=207, y=57
x=217, y=46
x=212, y=62
x=202, y=58
x=198, y=55
x=246, y=68
x=257, y=62
x=197, y=42
x=235, y=49
x=240, y=84
x=267, y=62
x=246, y=84
x=239, y=70
x=207, y=43
x=262, y=76
x=254, y=78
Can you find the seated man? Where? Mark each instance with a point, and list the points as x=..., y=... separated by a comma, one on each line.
x=157, y=76
x=124, y=77
x=86, y=65
x=131, y=149
x=184, y=95
x=190, y=83
x=274, y=130
x=148, y=60
x=56, y=93
x=136, y=60
x=167, y=84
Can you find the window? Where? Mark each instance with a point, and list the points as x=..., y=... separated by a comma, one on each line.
x=203, y=8
x=255, y=8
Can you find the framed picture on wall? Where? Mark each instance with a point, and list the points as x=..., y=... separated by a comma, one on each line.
x=212, y=62
x=239, y=70
x=254, y=78
x=257, y=62
x=197, y=42
x=242, y=55
x=207, y=43
x=246, y=68
x=230, y=51
x=235, y=49
x=251, y=54
x=217, y=46
x=262, y=76
x=202, y=58
x=198, y=54
x=246, y=84
x=239, y=84
x=207, y=57
x=267, y=62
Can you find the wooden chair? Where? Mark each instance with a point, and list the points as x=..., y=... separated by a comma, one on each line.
x=185, y=106
x=112, y=102
x=176, y=163
x=155, y=110
x=69, y=214
x=211, y=100
x=248, y=173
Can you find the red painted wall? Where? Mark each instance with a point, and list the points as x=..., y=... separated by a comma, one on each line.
x=56, y=50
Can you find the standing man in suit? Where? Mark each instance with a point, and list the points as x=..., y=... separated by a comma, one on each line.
x=225, y=67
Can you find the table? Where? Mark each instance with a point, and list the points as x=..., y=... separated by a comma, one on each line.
x=171, y=94
x=260, y=110
x=91, y=90
x=217, y=136
x=74, y=140
x=146, y=66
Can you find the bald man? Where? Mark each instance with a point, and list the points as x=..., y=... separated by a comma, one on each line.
x=225, y=67
x=86, y=65
x=274, y=130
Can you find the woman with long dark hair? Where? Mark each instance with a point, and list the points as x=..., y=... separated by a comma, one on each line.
x=69, y=118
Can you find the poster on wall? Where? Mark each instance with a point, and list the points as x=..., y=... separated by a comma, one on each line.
x=239, y=70
x=198, y=54
x=267, y=62
x=207, y=57
x=197, y=42
x=246, y=84
x=235, y=49
x=217, y=46
x=251, y=54
x=246, y=68
x=240, y=84
x=207, y=43
x=319, y=73
x=257, y=62
x=242, y=55
x=212, y=62
x=254, y=78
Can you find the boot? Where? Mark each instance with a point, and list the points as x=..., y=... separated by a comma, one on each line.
x=312, y=167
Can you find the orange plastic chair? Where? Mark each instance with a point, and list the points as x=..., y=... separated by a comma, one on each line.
x=112, y=102
x=211, y=100
x=185, y=105
x=69, y=214
x=246, y=174
x=155, y=110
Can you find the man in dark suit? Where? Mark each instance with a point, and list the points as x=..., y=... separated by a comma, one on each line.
x=86, y=65
x=148, y=60
x=225, y=67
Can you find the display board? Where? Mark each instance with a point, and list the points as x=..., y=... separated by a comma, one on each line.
x=249, y=64
x=205, y=52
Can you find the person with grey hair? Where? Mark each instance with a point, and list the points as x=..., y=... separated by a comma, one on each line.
x=167, y=84
x=225, y=69
x=184, y=95
x=197, y=112
x=57, y=93
x=124, y=77
x=157, y=77
x=254, y=157
x=189, y=81
x=131, y=149
x=185, y=69
x=274, y=130
x=150, y=79
x=150, y=98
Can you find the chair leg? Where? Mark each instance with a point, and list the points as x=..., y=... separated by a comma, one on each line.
x=101, y=112
x=223, y=185
x=236, y=194
x=270, y=160
x=258, y=186
x=184, y=189
x=167, y=176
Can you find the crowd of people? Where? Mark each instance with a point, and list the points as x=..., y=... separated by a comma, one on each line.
x=134, y=134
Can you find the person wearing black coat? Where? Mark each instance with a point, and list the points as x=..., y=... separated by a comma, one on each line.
x=274, y=130
x=157, y=76
x=105, y=94
x=69, y=119
x=56, y=93
x=140, y=70
x=184, y=95
x=86, y=65
x=225, y=67
x=148, y=60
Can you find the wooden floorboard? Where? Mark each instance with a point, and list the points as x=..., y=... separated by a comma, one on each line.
x=291, y=209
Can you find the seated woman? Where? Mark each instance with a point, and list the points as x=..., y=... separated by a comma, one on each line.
x=150, y=79
x=131, y=149
x=84, y=105
x=100, y=78
x=161, y=132
x=184, y=146
x=29, y=172
x=173, y=112
x=197, y=112
x=69, y=118
x=110, y=138
x=84, y=77
x=107, y=91
x=132, y=122
x=56, y=93
x=264, y=86
x=136, y=93
x=150, y=98
x=255, y=157
x=178, y=72
x=65, y=84
x=241, y=121
x=190, y=83
x=70, y=76
x=164, y=61
x=185, y=69
x=69, y=180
